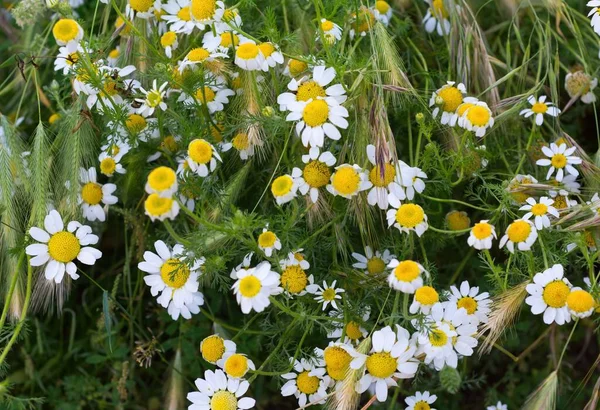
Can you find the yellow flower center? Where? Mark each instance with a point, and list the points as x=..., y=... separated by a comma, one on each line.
x=53, y=118
x=556, y=293
x=518, y=231
x=539, y=209
x=119, y=22
x=247, y=51
x=457, y=220
x=578, y=84
x=91, y=193
x=174, y=273
x=316, y=174
x=203, y=9
x=560, y=202
x=407, y=271
x=410, y=215
x=452, y=98
x=236, y=365
x=157, y=206
x=294, y=279
x=422, y=405
x=468, y=303
x=381, y=365
x=74, y=57
x=310, y=90
x=580, y=301
x=267, y=239
x=250, y=286
x=212, y=348
x=482, y=230
x=365, y=20
x=135, y=123
x=229, y=15
x=169, y=143
x=108, y=166
x=241, y=141
x=282, y=185
x=375, y=265
x=266, y=49
x=438, y=338
x=426, y=295
x=379, y=180
x=438, y=9
x=346, y=180
x=141, y=5
x=153, y=98
x=478, y=116
x=559, y=161
x=184, y=14
x=307, y=384
x=353, y=331
x=223, y=400
x=110, y=88
x=539, y=108
x=382, y=6
x=200, y=151
x=205, y=94
x=198, y=54
x=326, y=25
x=328, y=294
x=297, y=67
x=463, y=108
x=168, y=39
x=63, y=246
x=229, y=38
x=65, y=30
x=161, y=178
x=337, y=362
x=114, y=53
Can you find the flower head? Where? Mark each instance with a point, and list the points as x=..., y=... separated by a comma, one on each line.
x=559, y=159
x=548, y=295
x=217, y=391
x=539, y=108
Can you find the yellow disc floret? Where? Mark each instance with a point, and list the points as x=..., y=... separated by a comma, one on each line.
x=135, y=123
x=438, y=338
x=267, y=239
x=108, y=166
x=458, y=220
x=382, y=176
x=410, y=215
x=141, y=5
x=451, y=97
x=297, y=67
x=63, y=246
x=65, y=30
x=346, y=181
x=250, y=286
x=478, y=116
x=282, y=185
x=247, y=51
x=316, y=174
x=203, y=9
x=555, y=293
x=407, y=271
x=468, y=303
x=307, y=384
x=212, y=348
x=580, y=301
x=310, y=90
x=518, y=231
x=91, y=193
x=161, y=178
x=375, y=265
x=559, y=161
x=223, y=400
x=174, y=273
x=236, y=365
x=381, y=365
x=200, y=151
x=156, y=205
x=426, y=295
x=294, y=279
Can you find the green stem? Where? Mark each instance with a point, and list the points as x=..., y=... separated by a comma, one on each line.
x=13, y=285
x=567, y=344
x=454, y=201
x=174, y=234
x=543, y=251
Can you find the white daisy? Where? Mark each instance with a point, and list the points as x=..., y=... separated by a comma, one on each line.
x=308, y=383
x=352, y=330
x=294, y=279
x=540, y=211
x=581, y=85
x=316, y=172
x=67, y=57
x=154, y=99
x=539, y=107
x=108, y=95
x=222, y=42
x=420, y=401
x=410, y=180
x=284, y=189
x=316, y=118
x=328, y=294
x=336, y=359
x=110, y=164
x=214, y=97
x=348, y=180
x=548, y=295
x=207, y=13
x=169, y=42
x=198, y=56
x=213, y=348
x=476, y=304
x=521, y=233
x=559, y=158
x=436, y=18
x=66, y=31
x=254, y=286
x=93, y=194
x=268, y=241
x=331, y=31
x=179, y=17
x=581, y=303
x=235, y=365
x=202, y=157
x=160, y=207
x=142, y=9
x=113, y=56
x=425, y=298
x=58, y=248
x=477, y=117
x=248, y=56
x=271, y=54
x=162, y=181
x=406, y=275
x=481, y=235
x=382, y=12
x=446, y=100
x=382, y=177
x=373, y=263
x=307, y=88
x=407, y=217
x=217, y=391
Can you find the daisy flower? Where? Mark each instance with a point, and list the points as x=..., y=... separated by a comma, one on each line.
x=67, y=57
x=109, y=164
x=382, y=176
x=352, y=330
x=336, y=360
x=559, y=159
x=498, y=406
x=481, y=235
x=58, y=248
x=382, y=12
x=391, y=356
x=316, y=172
x=406, y=275
x=254, y=286
x=212, y=96
x=207, y=12
x=331, y=31
x=249, y=57
x=143, y=9
x=425, y=298
x=407, y=217
x=362, y=23
x=436, y=18
x=316, y=118
x=113, y=56
x=348, y=180
x=595, y=13
x=108, y=94
x=373, y=263
x=476, y=304
x=411, y=181
x=548, y=294
x=198, y=56
x=477, y=117
x=159, y=207
x=268, y=241
x=447, y=100
x=284, y=189
x=271, y=54
x=307, y=88
x=521, y=233
x=202, y=157
x=308, y=383
x=294, y=280
x=162, y=181
x=420, y=401
x=213, y=348
x=93, y=194
x=154, y=99
x=540, y=211
x=66, y=31
x=295, y=68
x=235, y=365
x=175, y=277
x=242, y=145
x=581, y=304
x=539, y=107
x=581, y=85
x=328, y=294
x=169, y=42
x=179, y=17
x=457, y=220
x=222, y=42
x=217, y=391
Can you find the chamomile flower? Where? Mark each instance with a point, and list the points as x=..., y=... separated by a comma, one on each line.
x=213, y=348
x=254, y=286
x=175, y=277
x=540, y=210
x=521, y=233
x=179, y=17
x=406, y=275
x=67, y=57
x=446, y=100
x=482, y=234
x=235, y=365
x=425, y=298
x=539, y=107
x=362, y=22
x=66, y=31
x=373, y=263
x=595, y=13
x=113, y=56
x=407, y=217
x=382, y=176
x=477, y=117
x=476, y=304
x=58, y=248
x=110, y=164
x=154, y=99
x=410, y=179
x=198, y=56
x=316, y=173
x=308, y=383
x=581, y=85
x=213, y=96
x=436, y=18
x=336, y=359
x=498, y=406
x=294, y=279
x=294, y=68
x=268, y=241
x=93, y=195
x=328, y=294
x=217, y=391
x=331, y=31
x=160, y=207
x=207, y=12
x=284, y=189
x=108, y=95
x=581, y=303
x=241, y=143
x=222, y=42
x=420, y=401
x=169, y=42
x=143, y=9
x=271, y=54
x=348, y=180
x=162, y=181
x=307, y=88
x=352, y=330
x=249, y=57
x=391, y=356
x=202, y=157
x=560, y=159
x=548, y=294
x=382, y=12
